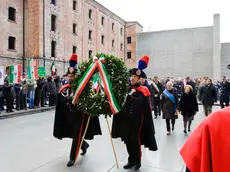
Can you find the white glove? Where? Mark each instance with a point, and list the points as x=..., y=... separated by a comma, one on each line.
x=132, y=91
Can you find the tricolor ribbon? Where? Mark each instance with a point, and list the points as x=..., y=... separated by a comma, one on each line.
x=97, y=64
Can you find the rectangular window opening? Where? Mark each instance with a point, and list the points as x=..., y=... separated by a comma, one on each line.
x=74, y=5
x=53, y=2
x=53, y=22
x=102, y=21
x=113, y=42
x=129, y=40
x=113, y=26
x=102, y=39
x=90, y=53
x=53, y=49
x=90, y=34
x=90, y=14
x=74, y=28
x=74, y=49
x=11, y=43
x=129, y=55
x=12, y=14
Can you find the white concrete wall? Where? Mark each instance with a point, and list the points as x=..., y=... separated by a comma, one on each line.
x=225, y=59
x=216, y=47
x=178, y=53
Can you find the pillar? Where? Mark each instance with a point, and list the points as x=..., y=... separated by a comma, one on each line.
x=216, y=48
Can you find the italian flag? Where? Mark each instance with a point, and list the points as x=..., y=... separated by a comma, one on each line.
x=53, y=69
x=32, y=69
x=15, y=74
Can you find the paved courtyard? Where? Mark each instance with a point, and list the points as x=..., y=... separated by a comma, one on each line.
x=27, y=145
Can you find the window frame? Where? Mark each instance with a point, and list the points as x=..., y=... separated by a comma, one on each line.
x=13, y=15
x=102, y=39
x=102, y=20
x=90, y=53
x=74, y=28
x=129, y=42
x=53, y=49
x=90, y=14
x=12, y=38
x=53, y=24
x=90, y=34
x=129, y=53
x=53, y=2
x=74, y=5
x=74, y=50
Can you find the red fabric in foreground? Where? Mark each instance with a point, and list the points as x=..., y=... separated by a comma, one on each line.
x=208, y=148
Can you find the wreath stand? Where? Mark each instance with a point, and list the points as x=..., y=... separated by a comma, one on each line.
x=87, y=125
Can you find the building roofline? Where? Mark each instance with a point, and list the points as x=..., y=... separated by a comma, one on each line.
x=225, y=42
x=176, y=29
x=108, y=10
x=135, y=22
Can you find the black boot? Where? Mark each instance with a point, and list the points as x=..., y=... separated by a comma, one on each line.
x=137, y=165
x=70, y=163
x=129, y=165
x=84, y=149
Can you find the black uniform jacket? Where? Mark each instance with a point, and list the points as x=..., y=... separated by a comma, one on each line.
x=136, y=115
x=70, y=122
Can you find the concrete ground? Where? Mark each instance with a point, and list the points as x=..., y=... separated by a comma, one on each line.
x=27, y=145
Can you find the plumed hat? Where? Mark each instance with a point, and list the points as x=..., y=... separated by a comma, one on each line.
x=73, y=61
x=142, y=64
x=72, y=64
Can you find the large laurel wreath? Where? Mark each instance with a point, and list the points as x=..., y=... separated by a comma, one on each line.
x=95, y=104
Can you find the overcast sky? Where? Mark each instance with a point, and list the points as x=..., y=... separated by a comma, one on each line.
x=173, y=14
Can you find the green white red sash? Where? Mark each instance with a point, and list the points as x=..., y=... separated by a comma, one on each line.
x=156, y=87
x=97, y=64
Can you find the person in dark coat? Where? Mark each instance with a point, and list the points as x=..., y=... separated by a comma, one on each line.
x=134, y=124
x=188, y=107
x=157, y=92
x=224, y=93
x=208, y=96
x=7, y=91
x=52, y=91
x=191, y=83
x=38, y=90
x=70, y=122
x=58, y=85
x=169, y=106
x=17, y=90
x=145, y=83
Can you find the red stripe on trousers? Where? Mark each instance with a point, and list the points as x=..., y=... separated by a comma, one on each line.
x=139, y=139
x=80, y=135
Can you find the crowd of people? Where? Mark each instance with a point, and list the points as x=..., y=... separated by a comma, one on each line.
x=29, y=93
x=173, y=96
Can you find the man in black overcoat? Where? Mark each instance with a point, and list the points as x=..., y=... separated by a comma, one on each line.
x=134, y=124
x=70, y=122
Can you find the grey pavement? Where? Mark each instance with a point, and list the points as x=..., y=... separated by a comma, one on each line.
x=27, y=145
x=16, y=113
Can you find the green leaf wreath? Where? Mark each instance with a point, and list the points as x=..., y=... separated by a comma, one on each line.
x=95, y=104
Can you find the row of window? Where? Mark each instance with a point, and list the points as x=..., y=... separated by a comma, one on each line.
x=12, y=41
x=74, y=4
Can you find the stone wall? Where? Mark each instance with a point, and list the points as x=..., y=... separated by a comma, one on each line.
x=225, y=59
x=178, y=53
x=11, y=28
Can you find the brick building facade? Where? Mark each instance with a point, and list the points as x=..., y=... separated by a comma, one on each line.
x=51, y=30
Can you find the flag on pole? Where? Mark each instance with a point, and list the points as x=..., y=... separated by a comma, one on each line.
x=53, y=69
x=32, y=69
x=1, y=75
x=15, y=74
